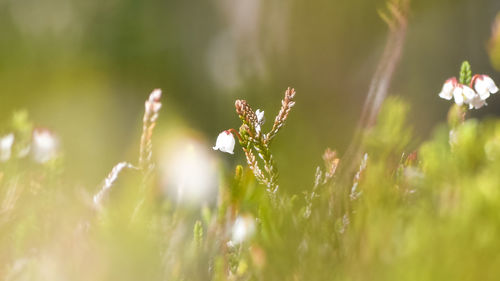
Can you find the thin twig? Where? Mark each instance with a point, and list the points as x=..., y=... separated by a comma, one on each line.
x=110, y=180
x=152, y=108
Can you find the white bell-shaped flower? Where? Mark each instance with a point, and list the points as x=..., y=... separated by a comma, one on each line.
x=6, y=143
x=188, y=172
x=484, y=86
x=463, y=94
x=448, y=87
x=225, y=142
x=477, y=102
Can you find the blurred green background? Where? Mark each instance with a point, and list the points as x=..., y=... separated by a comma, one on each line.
x=84, y=68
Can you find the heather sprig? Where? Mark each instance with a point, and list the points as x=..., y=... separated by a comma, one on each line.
x=110, y=180
x=355, y=192
x=254, y=142
x=151, y=113
x=322, y=176
x=152, y=108
x=286, y=105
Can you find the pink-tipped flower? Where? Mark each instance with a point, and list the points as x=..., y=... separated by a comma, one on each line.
x=463, y=94
x=459, y=92
x=6, y=143
x=225, y=142
x=448, y=87
x=45, y=145
x=484, y=86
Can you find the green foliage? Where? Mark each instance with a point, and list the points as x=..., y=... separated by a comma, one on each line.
x=431, y=214
x=198, y=233
x=391, y=134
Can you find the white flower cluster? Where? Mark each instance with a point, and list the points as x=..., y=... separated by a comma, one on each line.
x=463, y=94
x=43, y=147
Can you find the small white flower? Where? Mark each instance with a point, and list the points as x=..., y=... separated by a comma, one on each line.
x=484, y=86
x=225, y=142
x=448, y=87
x=260, y=120
x=188, y=172
x=260, y=116
x=243, y=228
x=477, y=102
x=6, y=143
x=468, y=93
x=44, y=146
x=457, y=95
x=463, y=94
x=459, y=92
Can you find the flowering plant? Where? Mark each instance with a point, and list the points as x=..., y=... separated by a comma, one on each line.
x=253, y=141
x=462, y=91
